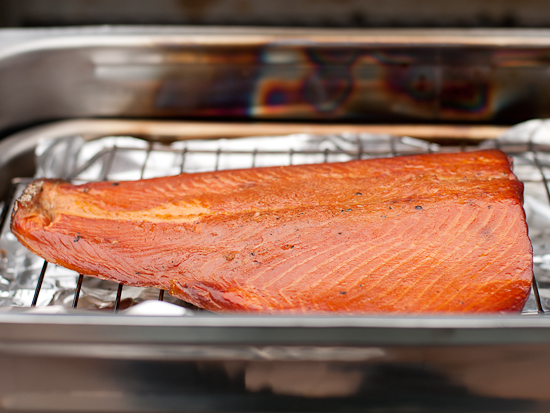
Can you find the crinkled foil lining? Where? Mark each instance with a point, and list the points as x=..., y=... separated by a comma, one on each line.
x=129, y=158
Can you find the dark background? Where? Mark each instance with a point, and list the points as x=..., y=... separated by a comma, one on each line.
x=299, y=13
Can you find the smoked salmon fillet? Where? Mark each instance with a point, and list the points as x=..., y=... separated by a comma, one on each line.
x=411, y=234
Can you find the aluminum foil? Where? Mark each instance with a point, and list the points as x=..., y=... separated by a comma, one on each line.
x=128, y=158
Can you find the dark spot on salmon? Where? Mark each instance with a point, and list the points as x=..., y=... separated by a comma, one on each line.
x=489, y=207
x=390, y=207
x=185, y=285
x=252, y=254
x=418, y=207
x=486, y=232
x=228, y=256
x=85, y=190
x=348, y=210
x=78, y=238
x=339, y=233
x=383, y=216
x=116, y=184
x=343, y=292
x=358, y=193
x=137, y=272
x=287, y=247
x=215, y=177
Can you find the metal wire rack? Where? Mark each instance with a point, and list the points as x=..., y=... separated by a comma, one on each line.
x=525, y=154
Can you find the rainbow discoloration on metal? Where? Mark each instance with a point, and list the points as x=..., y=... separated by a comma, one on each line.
x=363, y=83
x=370, y=76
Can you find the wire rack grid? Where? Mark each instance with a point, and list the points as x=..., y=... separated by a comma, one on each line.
x=186, y=158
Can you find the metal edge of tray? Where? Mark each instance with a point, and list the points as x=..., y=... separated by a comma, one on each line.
x=76, y=327
x=29, y=39
x=169, y=131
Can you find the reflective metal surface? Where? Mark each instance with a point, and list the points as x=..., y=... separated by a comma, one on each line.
x=337, y=75
x=100, y=362
x=244, y=364
x=425, y=379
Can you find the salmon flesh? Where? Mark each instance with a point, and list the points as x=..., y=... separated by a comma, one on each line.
x=411, y=234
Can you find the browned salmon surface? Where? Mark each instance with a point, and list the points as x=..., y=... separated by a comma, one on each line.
x=415, y=234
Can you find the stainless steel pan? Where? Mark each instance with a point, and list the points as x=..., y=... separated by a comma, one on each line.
x=97, y=361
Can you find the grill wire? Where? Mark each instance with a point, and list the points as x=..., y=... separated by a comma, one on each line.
x=528, y=154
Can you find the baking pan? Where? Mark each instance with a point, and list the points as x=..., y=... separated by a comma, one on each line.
x=471, y=82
